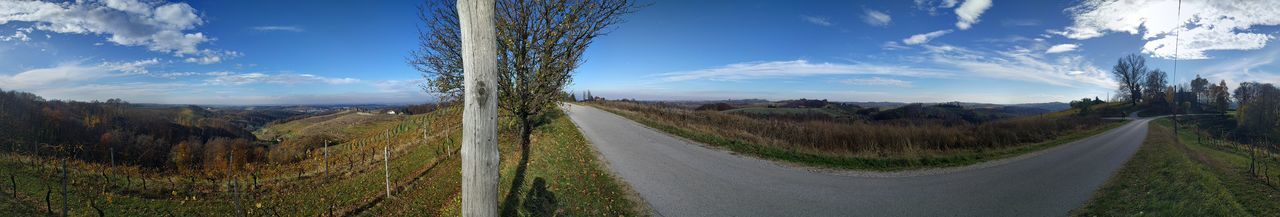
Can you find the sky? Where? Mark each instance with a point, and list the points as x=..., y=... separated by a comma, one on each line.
x=347, y=52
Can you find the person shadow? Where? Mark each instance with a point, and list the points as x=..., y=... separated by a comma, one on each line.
x=539, y=201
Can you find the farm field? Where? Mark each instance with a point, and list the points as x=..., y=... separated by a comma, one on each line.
x=558, y=173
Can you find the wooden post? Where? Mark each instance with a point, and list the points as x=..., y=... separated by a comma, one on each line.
x=64, y=186
x=326, y=158
x=480, y=108
x=232, y=181
x=386, y=168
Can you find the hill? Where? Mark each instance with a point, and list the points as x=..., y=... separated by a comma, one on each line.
x=117, y=131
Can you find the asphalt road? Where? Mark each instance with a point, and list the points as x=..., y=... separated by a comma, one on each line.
x=680, y=178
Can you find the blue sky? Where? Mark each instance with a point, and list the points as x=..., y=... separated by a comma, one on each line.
x=307, y=52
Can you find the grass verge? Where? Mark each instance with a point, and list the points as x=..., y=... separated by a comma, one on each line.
x=1183, y=177
x=949, y=159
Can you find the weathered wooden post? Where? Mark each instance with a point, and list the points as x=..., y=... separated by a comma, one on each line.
x=326, y=158
x=232, y=181
x=64, y=186
x=480, y=109
x=14, y=181
x=386, y=168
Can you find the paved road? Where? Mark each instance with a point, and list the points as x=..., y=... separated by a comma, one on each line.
x=679, y=178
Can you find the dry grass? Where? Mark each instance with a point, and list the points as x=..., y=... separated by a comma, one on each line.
x=884, y=144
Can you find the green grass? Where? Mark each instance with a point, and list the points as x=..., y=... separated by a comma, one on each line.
x=951, y=159
x=1183, y=177
x=558, y=155
x=425, y=177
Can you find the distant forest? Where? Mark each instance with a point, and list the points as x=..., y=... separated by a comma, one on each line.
x=142, y=135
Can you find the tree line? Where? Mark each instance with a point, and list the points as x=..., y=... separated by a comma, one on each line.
x=1257, y=104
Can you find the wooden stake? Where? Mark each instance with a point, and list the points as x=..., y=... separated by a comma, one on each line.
x=386, y=168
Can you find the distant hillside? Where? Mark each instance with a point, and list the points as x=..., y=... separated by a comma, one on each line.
x=1050, y=106
x=139, y=134
x=338, y=126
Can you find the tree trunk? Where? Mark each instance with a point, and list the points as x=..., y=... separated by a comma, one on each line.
x=526, y=129
x=480, y=111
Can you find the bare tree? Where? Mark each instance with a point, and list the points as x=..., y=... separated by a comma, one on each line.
x=439, y=53
x=540, y=43
x=1153, y=87
x=1200, y=92
x=1221, y=97
x=1130, y=71
x=480, y=111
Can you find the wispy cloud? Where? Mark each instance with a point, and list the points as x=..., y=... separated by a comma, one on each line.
x=876, y=18
x=821, y=21
x=932, y=6
x=969, y=12
x=877, y=81
x=70, y=73
x=1247, y=68
x=278, y=28
x=1022, y=64
x=1062, y=48
x=794, y=68
x=211, y=57
x=924, y=37
x=230, y=78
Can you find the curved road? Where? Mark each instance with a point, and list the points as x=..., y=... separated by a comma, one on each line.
x=680, y=178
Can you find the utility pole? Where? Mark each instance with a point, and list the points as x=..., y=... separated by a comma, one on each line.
x=480, y=110
x=1176, y=37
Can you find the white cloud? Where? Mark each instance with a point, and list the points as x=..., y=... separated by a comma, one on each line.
x=1205, y=25
x=821, y=21
x=776, y=69
x=230, y=78
x=969, y=11
x=876, y=18
x=925, y=37
x=1062, y=48
x=278, y=28
x=877, y=81
x=210, y=56
x=20, y=35
x=73, y=72
x=158, y=26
